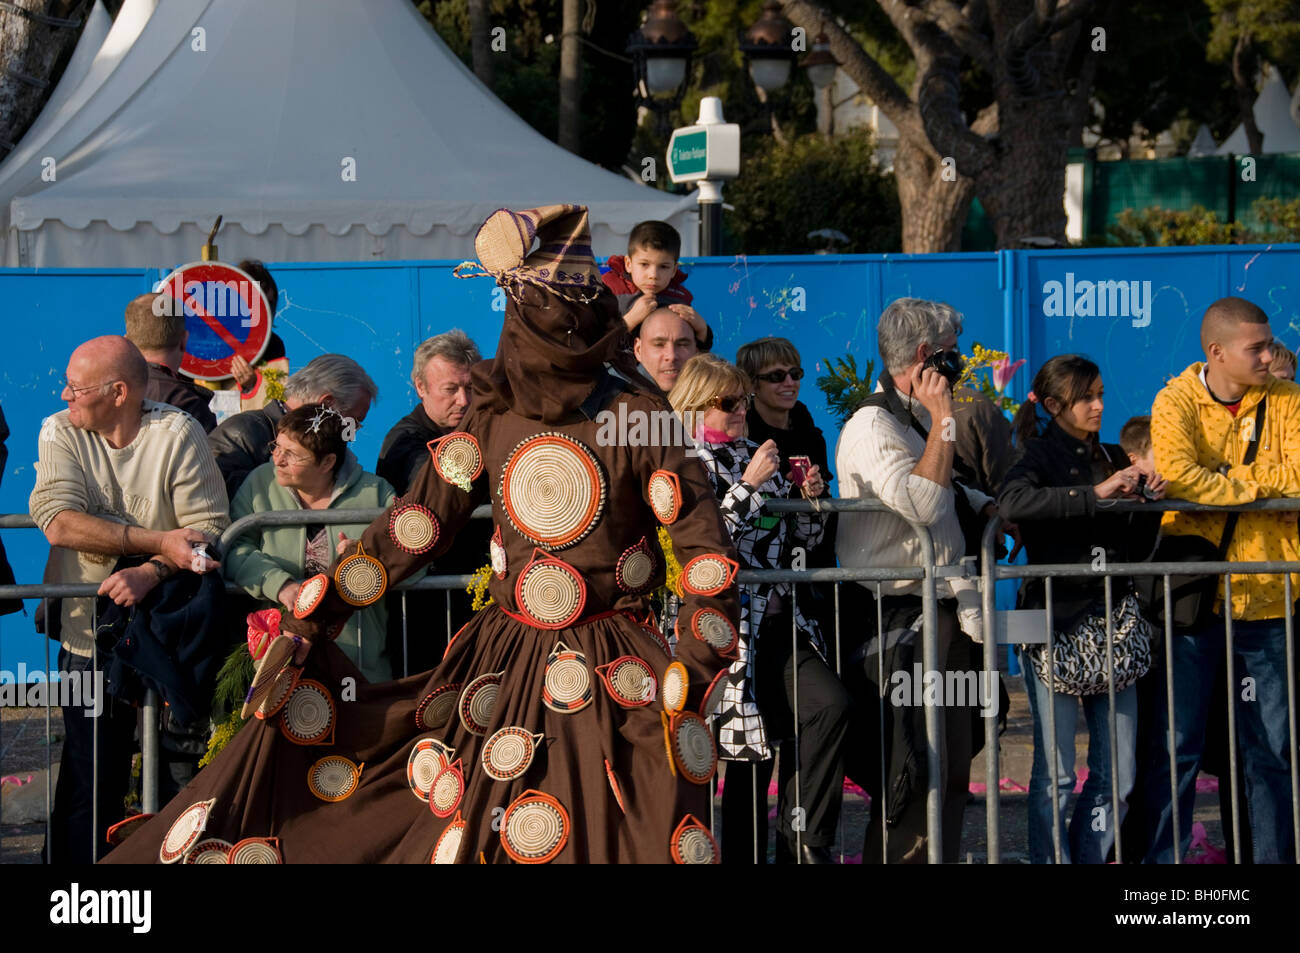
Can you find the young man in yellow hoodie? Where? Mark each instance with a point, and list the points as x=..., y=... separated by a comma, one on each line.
x=1202, y=425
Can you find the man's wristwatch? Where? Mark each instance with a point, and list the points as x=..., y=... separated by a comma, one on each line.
x=160, y=567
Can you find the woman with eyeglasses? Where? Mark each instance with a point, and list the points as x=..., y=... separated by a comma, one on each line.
x=311, y=468
x=757, y=707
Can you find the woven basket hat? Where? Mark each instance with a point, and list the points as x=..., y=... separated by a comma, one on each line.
x=563, y=260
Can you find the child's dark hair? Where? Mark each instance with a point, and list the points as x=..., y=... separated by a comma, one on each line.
x=257, y=271
x=1135, y=436
x=319, y=429
x=657, y=236
x=1066, y=378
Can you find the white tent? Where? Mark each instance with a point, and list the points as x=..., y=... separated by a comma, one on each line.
x=1273, y=117
x=323, y=130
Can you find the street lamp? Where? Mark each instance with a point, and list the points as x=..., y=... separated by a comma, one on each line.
x=768, y=49
x=661, y=54
x=820, y=64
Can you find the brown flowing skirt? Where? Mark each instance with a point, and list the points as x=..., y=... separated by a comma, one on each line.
x=260, y=780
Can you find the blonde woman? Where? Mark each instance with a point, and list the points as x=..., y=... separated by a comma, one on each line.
x=712, y=397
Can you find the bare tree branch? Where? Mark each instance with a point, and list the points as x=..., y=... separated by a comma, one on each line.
x=946, y=16
x=1033, y=30
x=938, y=97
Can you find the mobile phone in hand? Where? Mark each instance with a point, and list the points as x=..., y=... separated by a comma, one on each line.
x=799, y=467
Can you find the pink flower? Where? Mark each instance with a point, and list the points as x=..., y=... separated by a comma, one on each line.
x=1003, y=371
x=263, y=626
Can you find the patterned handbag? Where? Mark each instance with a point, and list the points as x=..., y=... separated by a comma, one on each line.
x=1079, y=661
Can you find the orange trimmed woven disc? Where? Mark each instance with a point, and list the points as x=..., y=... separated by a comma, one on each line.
x=333, y=778
x=629, y=680
x=675, y=685
x=360, y=579
x=447, y=849
x=257, y=850
x=278, y=657
x=692, y=843
x=716, y=631
x=693, y=748
x=665, y=492
x=553, y=489
x=435, y=708
x=125, y=828
x=282, y=688
x=448, y=788
x=709, y=574
x=567, y=683
x=310, y=595
x=636, y=567
x=413, y=528
x=615, y=787
x=478, y=701
x=185, y=831
x=457, y=458
x=535, y=828
x=210, y=850
x=551, y=593
x=713, y=694
x=428, y=758
x=508, y=753
x=308, y=717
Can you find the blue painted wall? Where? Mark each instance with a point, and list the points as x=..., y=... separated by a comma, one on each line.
x=378, y=312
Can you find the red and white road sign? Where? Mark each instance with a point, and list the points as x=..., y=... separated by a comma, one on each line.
x=225, y=312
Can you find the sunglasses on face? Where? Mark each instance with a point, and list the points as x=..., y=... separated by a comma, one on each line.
x=778, y=375
x=729, y=405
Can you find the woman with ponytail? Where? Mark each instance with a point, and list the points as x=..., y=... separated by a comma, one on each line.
x=1058, y=490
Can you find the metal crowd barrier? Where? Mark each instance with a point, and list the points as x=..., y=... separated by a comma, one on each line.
x=992, y=572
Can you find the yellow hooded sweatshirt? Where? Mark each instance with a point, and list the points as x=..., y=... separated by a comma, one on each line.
x=1193, y=435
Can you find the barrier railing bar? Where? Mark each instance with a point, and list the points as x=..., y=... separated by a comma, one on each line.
x=1232, y=725
x=1055, y=763
x=1291, y=715
x=1171, y=747
x=1112, y=720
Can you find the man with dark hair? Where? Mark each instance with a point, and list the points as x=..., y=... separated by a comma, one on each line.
x=1227, y=432
x=161, y=339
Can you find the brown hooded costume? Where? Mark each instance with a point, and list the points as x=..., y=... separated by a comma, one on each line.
x=574, y=556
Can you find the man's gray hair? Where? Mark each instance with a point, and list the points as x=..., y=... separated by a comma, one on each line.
x=908, y=323
x=453, y=346
x=332, y=374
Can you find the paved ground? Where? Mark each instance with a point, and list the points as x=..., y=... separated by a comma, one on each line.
x=22, y=802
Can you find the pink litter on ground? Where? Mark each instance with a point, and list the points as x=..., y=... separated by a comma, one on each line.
x=1201, y=851
x=15, y=780
x=1004, y=784
x=1207, y=784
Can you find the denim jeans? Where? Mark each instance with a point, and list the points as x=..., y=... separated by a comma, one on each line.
x=1091, y=832
x=1259, y=653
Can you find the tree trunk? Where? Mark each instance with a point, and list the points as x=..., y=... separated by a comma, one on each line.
x=933, y=210
x=33, y=55
x=1015, y=192
x=480, y=26
x=570, y=77
x=1243, y=78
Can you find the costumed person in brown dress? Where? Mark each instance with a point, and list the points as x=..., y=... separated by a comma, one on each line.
x=557, y=727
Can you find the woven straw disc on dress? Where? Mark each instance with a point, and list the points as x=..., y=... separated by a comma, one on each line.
x=125, y=828
x=553, y=490
x=551, y=593
x=413, y=528
x=497, y=554
x=478, y=701
x=676, y=683
x=635, y=568
x=310, y=595
x=283, y=686
x=665, y=492
x=692, y=843
x=185, y=830
x=308, y=717
x=629, y=680
x=457, y=459
x=715, y=630
x=210, y=850
x=436, y=707
x=709, y=574
x=535, y=828
x=509, y=752
x=448, y=847
x=713, y=694
x=257, y=850
x=428, y=758
x=278, y=657
x=333, y=778
x=361, y=579
x=693, y=748
x=567, y=684
x=448, y=788
x=615, y=786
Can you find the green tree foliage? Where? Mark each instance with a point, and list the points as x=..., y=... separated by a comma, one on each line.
x=815, y=184
x=844, y=388
x=1279, y=221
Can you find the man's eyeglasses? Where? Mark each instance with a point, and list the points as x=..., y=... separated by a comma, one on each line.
x=778, y=375
x=77, y=391
x=274, y=450
x=729, y=405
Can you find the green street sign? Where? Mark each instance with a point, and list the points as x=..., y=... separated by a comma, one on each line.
x=688, y=154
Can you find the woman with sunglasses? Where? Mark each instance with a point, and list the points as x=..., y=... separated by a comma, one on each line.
x=311, y=468
x=712, y=397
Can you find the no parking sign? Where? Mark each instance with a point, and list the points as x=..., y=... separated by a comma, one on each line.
x=226, y=314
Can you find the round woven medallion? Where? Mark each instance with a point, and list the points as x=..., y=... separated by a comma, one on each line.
x=278, y=657
x=713, y=694
x=457, y=459
x=185, y=830
x=333, y=778
x=310, y=595
x=535, y=828
x=283, y=686
x=497, y=554
x=551, y=593
x=210, y=850
x=361, y=579
x=553, y=490
x=692, y=843
x=636, y=567
x=448, y=788
x=257, y=850
x=413, y=528
x=693, y=747
x=436, y=707
x=567, y=685
x=125, y=828
x=615, y=787
x=675, y=685
x=427, y=760
x=665, y=492
x=708, y=575
x=509, y=752
x=308, y=717
x=715, y=630
x=629, y=680
x=448, y=847
x=478, y=701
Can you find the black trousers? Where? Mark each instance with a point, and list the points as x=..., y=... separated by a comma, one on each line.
x=69, y=837
x=825, y=707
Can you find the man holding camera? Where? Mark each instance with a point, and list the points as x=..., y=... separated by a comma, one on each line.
x=899, y=447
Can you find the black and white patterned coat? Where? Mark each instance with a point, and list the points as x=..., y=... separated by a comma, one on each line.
x=763, y=541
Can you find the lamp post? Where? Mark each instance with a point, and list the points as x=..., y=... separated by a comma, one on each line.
x=768, y=49
x=820, y=66
x=661, y=56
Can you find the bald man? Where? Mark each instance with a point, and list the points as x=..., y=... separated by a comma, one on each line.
x=663, y=345
x=1204, y=425
x=117, y=475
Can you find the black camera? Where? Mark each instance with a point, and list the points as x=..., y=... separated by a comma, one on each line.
x=1144, y=491
x=947, y=363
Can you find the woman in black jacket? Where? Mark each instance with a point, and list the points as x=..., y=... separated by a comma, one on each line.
x=1057, y=491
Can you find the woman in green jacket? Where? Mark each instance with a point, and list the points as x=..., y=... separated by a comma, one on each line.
x=311, y=468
